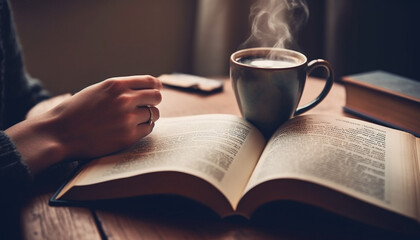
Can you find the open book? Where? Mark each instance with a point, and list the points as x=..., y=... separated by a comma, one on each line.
x=350, y=167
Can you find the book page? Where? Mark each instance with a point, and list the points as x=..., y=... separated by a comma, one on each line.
x=416, y=168
x=366, y=161
x=222, y=149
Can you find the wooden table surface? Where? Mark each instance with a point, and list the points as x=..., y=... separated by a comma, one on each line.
x=175, y=218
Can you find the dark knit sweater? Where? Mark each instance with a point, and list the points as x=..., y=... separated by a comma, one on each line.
x=18, y=93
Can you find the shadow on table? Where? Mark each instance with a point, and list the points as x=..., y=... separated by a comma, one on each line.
x=175, y=216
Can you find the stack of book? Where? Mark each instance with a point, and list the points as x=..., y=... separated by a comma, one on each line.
x=384, y=98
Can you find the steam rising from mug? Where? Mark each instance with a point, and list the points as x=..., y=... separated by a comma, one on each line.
x=275, y=22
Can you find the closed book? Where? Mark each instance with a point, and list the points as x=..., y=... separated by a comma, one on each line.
x=384, y=98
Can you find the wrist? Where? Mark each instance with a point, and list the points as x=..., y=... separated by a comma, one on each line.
x=37, y=143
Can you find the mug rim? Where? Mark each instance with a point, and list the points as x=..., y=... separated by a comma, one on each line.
x=258, y=50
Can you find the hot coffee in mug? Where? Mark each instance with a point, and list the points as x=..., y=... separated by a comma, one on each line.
x=269, y=63
x=268, y=85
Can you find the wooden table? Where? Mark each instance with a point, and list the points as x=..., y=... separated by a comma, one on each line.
x=174, y=218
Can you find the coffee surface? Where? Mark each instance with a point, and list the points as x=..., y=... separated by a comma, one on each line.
x=269, y=63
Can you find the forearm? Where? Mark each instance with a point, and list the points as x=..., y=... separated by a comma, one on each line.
x=35, y=143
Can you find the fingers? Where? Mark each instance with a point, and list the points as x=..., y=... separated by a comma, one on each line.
x=134, y=91
x=143, y=130
x=147, y=115
x=138, y=98
x=128, y=98
x=150, y=97
x=138, y=82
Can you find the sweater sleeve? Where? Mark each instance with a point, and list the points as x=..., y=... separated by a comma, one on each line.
x=21, y=92
x=15, y=176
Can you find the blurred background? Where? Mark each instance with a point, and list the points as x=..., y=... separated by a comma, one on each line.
x=69, y=45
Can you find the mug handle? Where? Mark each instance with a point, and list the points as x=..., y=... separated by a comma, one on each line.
x=330, y=79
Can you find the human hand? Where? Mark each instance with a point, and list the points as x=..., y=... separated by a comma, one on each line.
x=107, y=116
x=101, y=119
